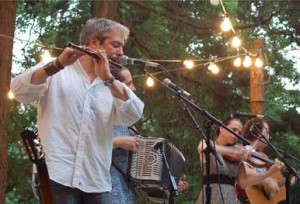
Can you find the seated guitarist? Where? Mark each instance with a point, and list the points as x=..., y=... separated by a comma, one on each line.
x=255, y=129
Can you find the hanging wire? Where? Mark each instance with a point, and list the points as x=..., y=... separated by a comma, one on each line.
x=203, y=62
x=7, y=36
x=223, y=7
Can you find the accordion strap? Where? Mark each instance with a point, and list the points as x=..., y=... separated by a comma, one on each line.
x=134, y=128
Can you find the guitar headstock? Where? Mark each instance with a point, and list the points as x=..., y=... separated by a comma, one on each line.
x=33, y=145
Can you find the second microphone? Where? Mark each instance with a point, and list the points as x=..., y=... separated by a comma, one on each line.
x=176, y=88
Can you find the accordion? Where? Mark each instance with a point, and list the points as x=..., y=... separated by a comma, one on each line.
x=147, y=167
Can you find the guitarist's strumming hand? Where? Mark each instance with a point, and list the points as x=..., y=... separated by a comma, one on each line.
x=271, y=185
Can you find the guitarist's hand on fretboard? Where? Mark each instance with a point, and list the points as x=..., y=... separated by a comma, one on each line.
x=293, y=180
x=277, y=166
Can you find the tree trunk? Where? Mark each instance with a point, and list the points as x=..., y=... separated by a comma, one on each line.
x=257, y=88
x=7, y=27
x=105, y=9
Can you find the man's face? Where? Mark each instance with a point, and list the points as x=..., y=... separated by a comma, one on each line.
x=113, y=46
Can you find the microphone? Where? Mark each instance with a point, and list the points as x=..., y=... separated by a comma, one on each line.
x=125, y=60
x=174, y=87
x=247, y=115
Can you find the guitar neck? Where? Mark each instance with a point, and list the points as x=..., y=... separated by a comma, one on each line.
x=46, y=194
x=35, y=152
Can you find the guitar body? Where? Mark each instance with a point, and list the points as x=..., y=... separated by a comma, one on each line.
x=36, y=155
x=257, y=195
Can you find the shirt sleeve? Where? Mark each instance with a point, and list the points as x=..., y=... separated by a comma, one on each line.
x=23, y=90
x=130, y=111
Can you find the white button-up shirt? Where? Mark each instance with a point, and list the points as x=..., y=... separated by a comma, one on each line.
x=75, y=123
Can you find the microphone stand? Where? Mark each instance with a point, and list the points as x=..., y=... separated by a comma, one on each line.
x=193, y=105
x=210, y=147
x=173, y=186
x=290, y=169
x=277, y=148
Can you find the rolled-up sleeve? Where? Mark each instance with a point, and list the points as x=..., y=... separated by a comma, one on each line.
x=130, y=111
x=23, y=90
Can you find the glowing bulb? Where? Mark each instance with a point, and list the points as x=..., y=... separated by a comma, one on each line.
x=237, y=62
x=226, y=24
x=10, y=95
x=214, y=2
x=150, y=82
x=46, y=56
x=189, y=64
x=258, y=62
x=213, y=68
x=247, y=62
x=236, y=42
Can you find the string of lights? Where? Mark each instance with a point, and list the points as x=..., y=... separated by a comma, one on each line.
x=242, y=58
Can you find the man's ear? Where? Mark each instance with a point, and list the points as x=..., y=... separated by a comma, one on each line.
x=93, y=41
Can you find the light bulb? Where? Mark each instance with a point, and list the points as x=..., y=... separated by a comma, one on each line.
x=236, y=42
x=150, y=82
x=189, y=64
x=247, y=61
x=213, y=68
x=258, y=62
x=237, y=62
x=214, y=2
x=226, y=24
x=46, y=56
x=10, y=95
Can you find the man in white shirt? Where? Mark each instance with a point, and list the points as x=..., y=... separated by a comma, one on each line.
x=79, y=101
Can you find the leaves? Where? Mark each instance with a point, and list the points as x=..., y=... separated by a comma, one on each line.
x=162, y=30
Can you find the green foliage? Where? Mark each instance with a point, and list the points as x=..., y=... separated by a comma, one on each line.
x=19, y=169
x=175, y=30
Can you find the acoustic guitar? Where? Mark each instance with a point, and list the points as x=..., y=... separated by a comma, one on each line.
x=36, y=155
x=258, y=195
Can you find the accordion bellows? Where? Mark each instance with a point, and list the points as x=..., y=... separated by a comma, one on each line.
x=147, y=166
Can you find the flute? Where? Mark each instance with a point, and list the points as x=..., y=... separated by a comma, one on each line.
x=92, y=54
